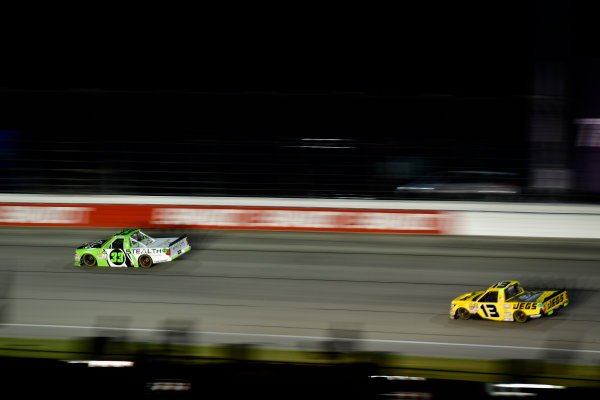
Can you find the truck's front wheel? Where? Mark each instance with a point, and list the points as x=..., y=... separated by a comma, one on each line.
x=88, y=260
x=463, y=313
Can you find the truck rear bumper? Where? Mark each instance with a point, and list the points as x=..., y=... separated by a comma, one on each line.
x=182, y=252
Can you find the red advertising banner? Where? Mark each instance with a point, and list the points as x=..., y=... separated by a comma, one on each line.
x=225, y=217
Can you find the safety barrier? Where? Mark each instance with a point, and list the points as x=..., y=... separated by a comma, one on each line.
x=449, y=218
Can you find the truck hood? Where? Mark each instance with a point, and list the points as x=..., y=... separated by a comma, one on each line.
x=469, y=296
x=92, y=245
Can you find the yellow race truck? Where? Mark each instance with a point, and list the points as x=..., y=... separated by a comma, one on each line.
x=508, y=301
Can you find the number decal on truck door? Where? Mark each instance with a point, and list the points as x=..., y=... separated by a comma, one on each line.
x=117, y=257
x=489, y=310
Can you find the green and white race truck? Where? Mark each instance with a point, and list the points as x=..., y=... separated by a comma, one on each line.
x=131, y=248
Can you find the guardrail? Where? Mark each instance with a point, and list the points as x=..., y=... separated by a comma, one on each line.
x=352, y=215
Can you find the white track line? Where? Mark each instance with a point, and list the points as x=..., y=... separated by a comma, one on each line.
x=303, y=337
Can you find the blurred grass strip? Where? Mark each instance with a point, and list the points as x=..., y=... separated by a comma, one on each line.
x=537, y=371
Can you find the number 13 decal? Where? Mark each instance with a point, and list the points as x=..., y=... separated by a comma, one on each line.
x=489, y=310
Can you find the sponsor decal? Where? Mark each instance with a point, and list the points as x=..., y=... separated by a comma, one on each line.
x=138, y=251
x=221, y=217
x=556, y=300
x=299, y=219
x=42, y=215
x=525, y=306
x=508, y=318
x=506, y=305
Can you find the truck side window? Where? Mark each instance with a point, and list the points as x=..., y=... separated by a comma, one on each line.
x=491, y=297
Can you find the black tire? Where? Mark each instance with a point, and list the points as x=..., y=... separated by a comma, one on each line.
x=520, y=316
x=88, y=260
x=145, y=261
x=463, y=313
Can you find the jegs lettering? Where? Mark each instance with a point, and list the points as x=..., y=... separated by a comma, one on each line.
x=557, y=300
x=525, y=306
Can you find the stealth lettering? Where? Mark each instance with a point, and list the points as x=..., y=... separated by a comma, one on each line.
x=146, y=251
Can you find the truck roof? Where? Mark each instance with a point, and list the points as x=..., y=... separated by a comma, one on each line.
x=127, y=232
x=503, y=284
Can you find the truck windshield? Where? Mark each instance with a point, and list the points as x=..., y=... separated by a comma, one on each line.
x=140, y=239
x=513, y=291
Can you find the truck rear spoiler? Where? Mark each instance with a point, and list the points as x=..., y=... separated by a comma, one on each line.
x=553, y=295
x=178, y=239
x=555, y=300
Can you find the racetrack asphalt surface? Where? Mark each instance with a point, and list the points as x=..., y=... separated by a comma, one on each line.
x=297, y=290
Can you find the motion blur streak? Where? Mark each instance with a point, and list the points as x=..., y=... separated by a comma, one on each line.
x=291, y=290
x=316, y=339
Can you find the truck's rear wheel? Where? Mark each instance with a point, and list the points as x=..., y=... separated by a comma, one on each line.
x=88, y=260
x=463, y=313
x=520, y=316
x=145, y=261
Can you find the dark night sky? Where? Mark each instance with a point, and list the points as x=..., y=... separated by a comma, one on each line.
x=410, y=79
x=459, y=47
x=462, y=49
